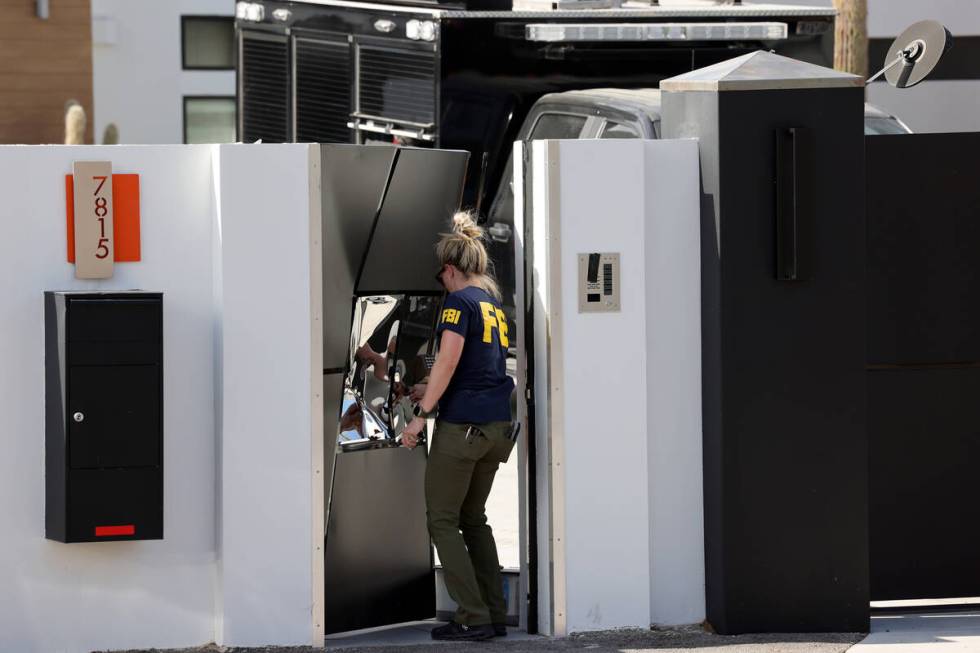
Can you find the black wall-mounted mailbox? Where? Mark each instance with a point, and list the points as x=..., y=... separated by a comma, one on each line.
x=104, y=416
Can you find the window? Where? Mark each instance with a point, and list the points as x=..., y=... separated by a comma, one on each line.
x=209, y=120
x=476, y=121
x=879, y=126
x=617, y=130
x=557, y=125
x=207, y=42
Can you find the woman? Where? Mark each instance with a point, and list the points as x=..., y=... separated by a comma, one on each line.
x=469, y=385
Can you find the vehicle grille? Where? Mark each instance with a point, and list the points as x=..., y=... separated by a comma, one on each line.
x=265, y=90
x=323, y=97
x=397, y=84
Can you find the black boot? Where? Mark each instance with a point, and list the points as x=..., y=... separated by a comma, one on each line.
x=458, y=632
x=500, y=630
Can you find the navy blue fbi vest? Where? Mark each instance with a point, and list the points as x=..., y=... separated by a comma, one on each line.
x=479, y=391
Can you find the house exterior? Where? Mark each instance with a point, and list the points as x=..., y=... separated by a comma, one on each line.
x=164, y=72
x=947, y=101
x=44, y=63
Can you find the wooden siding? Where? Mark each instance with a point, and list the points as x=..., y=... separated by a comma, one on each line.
x=43, y=64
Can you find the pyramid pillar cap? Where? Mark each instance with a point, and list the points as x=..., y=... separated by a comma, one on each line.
x=760, y=71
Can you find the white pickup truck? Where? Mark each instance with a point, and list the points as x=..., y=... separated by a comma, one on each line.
x=599, y=113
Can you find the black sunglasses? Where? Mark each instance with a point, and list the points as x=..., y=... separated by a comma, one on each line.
x=439, y=274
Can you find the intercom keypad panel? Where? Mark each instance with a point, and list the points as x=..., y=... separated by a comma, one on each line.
x=598, y=282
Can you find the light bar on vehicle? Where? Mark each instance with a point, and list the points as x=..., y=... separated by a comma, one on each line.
x=420, y=30
x=570, y=32
x=251, y=11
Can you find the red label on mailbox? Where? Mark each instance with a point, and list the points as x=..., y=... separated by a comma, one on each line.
x=109, y=531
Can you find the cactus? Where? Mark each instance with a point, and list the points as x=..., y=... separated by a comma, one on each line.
x=111, y=134
x=74, y=123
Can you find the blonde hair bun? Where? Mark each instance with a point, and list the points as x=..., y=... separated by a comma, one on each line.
x=465, y=225
x=464, y=249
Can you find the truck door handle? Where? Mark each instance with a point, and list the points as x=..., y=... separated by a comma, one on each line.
x=500, y=232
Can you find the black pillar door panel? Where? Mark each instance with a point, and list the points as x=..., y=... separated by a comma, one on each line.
x=119, y=411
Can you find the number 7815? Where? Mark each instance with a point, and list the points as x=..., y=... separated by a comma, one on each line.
x=101, y=210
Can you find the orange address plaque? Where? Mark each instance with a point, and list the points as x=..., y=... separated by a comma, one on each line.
x=126, y=222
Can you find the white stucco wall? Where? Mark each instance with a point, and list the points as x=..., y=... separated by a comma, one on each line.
x=109, y=595
x=888, y=18
x=672, y=250
x=270, y=581
x=230, y=235
x=604, y=388
x=138, y=82
x=933, y=105
x=618, y=394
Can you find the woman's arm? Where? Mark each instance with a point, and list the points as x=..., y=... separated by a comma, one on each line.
x=379, y=361
x=450, y=349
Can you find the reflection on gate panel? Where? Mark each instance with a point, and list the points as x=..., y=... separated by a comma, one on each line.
x=392, y=351
x=383, y=209
x=377, y=546
x=366, y=410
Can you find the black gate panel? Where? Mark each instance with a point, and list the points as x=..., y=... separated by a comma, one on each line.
x=384, y=206
x=923, y=240
x=925, y=517
x=924, y=364
x=378, y=556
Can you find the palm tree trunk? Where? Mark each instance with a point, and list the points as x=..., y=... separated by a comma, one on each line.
x=851, y=37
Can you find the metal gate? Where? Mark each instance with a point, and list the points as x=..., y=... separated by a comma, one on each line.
x=924, y=365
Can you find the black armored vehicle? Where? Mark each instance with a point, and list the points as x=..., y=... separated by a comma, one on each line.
x=463, y=74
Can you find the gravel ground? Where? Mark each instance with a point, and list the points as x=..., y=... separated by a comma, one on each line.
x=689, y=640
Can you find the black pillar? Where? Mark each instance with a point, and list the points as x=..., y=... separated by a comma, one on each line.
x=783, y=310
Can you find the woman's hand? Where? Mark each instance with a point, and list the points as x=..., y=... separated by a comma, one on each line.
x=352, y=418
x=410, y=436
x=418, y=391
x=366, y=354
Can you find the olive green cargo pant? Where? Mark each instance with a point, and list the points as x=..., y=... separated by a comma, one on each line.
x=458, y=477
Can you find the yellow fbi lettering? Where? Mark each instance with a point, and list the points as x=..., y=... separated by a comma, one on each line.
x=451, y=316
x=494, y=318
